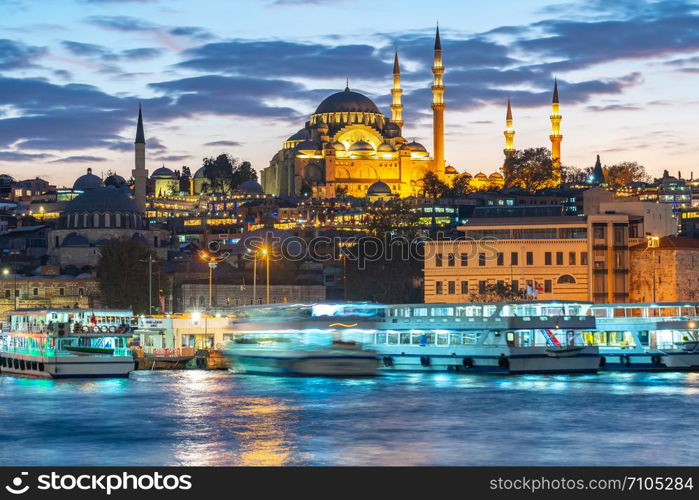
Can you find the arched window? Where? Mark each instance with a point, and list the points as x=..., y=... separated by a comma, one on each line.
x=566, y=279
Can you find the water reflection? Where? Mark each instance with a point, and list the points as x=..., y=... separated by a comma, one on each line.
x=215, y=418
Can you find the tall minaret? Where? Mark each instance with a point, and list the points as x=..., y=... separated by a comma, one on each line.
x=509, y=133
x=140, y=173
x=438, y=105
x=556, y=136
x=396, y=92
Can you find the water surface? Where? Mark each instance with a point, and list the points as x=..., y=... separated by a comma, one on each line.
x=216, y=418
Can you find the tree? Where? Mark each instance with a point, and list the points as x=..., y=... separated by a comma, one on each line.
x=624, y=173
x=432, y=185
x=460, y=186
x=575, y=175
x=531, y=169
x=122, y=272
x=391, y=219
x=225, y=173
x=496, y=292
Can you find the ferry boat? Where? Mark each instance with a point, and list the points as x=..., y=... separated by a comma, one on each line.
x=524, y=337
x=67, y=343
x=647, y=337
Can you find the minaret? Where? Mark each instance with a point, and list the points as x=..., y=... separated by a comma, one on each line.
x=438, y=105
x=396, y=92
x=140, y=173
x=509, y=133
x=556, y=136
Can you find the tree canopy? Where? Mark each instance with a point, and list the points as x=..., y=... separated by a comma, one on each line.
x=225, y=173
x=624, y=173
x=530, y=169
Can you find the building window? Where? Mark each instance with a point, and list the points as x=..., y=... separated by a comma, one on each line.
x=547, y=259
x=583, y=258
x=61, y=291
x=559, y=258
x=81, y=291
x=451, y=260
x=571, y=258
x=566, y=279
x=35, y=291
x=514, y=258
x=481, y=259
x=438, y=260
x=515, y=285
x=8, y=293
x=438, y=288
x=501, y=259
x=464, y=287
x=547, y=286
x=464, y=259
x=598, y=232
x=452, y=287
x=481, y=287
x=530, y=258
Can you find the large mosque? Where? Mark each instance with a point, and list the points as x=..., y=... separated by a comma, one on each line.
x=349, y=146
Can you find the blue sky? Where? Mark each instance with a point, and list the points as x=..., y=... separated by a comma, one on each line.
x=241, y=76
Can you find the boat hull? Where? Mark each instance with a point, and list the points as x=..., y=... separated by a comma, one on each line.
x=320, y=364
x=512, y=360
x=163, y=363
x=81, y=366
x=653, y=361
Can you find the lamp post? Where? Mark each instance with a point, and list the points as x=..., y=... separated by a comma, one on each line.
x=212, y=261
x=265, y=253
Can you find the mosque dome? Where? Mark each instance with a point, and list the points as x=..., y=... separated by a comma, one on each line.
x=496, y=175
x=307, y=146
x=87, y=181
x=361, y=146
x=163, y=173
x=481, y=176
x=107, y=199
x=450, y=170
x=301, y=135
x=115, y=180
x=251, y=187
x=75, y=240
x=199, y=174
x=378, y=188
x=391, y=129
x=414, y=146
x=347, y=101
x=385, y=147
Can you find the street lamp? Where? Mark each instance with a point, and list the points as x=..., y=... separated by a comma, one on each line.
x=212, y=261
x=265, y=253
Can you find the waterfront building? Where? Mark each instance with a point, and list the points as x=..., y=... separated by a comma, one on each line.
x=567, y=258
x=666, y=272
x=48, y=291
x=226, y=296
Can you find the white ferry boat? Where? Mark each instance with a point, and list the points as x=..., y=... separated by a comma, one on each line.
x=66, y=343
x=647, y=337
x=525, y=337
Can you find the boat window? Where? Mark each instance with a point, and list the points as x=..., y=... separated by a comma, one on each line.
x=443, y=311
x=455, y=339
x=442, y=339
x=393, y=338
x=380, y=338
x=688, y=311
x=405, y=338
x=420, y=312
x=489, y=311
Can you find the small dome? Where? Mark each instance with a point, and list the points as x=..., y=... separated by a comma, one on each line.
x=378, y=188
x=163, y=173
x=450, y=170
x=75, y=240
x=251, y=187
x=347, y=101
x=414, y=146
x=361, y=146
x=199, y=174
x=496, y=175
x=338, y=146
x=105, y=200
x=466, y=174
x=385, y=147
x=301, y=135
x=481, y=175
x=87, y=181
x=115, y=180
x=307, y=146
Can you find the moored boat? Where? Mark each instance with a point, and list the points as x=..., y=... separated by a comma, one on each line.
x=67, y=343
